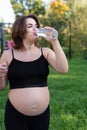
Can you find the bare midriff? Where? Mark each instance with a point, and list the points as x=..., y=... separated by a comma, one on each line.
x=30, y=101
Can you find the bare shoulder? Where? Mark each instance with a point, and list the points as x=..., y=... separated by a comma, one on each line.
x=47, y=51
x=6, y=56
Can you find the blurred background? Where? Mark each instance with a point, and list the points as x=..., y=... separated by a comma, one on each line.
x=68, y=17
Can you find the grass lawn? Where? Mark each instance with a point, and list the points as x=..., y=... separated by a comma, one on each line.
x=68, y=102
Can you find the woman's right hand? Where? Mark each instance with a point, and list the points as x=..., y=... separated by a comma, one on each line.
x=3, y=69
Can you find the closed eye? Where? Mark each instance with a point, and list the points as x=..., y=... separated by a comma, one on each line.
x=31, y=25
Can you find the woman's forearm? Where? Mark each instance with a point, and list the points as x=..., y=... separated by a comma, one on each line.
x=3, y=82
x=61, y=60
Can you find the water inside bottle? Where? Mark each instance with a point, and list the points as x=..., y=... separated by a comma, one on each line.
x=52, y=34
x=41, y=32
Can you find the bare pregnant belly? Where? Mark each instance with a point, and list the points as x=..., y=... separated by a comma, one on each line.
x=30, y=101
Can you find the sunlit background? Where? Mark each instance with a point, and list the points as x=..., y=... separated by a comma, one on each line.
x=6, y=11
x=68, y=17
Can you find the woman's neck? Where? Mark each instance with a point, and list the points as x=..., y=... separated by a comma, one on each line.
x=28, y=46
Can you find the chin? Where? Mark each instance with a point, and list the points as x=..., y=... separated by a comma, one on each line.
x=36, y=39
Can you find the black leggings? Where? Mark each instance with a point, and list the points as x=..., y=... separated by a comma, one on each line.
x=14, y=120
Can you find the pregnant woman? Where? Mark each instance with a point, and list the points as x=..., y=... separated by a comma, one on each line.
x=26, y=67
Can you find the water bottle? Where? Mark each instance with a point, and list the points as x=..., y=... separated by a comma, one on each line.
x=49, y=33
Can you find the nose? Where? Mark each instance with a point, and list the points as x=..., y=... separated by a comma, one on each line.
x=35, y=28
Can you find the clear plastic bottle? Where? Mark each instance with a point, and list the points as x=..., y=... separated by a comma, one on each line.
x=49, y=33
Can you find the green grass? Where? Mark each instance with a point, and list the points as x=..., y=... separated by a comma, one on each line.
x=68, y=102
x=69, y=97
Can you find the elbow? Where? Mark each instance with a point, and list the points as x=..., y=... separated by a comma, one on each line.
x=63, y=70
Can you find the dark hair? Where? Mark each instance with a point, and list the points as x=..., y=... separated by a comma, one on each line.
x=19, y=29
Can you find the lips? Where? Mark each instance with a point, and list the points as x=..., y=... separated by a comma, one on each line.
x=35, y=34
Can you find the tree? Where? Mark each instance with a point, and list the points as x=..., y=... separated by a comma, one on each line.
x=78, y=20
x=59, y=8
x=57, y=18
x=23, y=7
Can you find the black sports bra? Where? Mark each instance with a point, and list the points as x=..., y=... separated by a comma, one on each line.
x=23, y=74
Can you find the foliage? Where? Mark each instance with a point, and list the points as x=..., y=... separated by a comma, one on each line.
x=56, y=17
x=59, y=15
x=23, y=7
x=73, y=15
x=78, y=25
x=58, y=7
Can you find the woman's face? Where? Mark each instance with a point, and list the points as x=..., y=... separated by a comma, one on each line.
x=31, y=29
